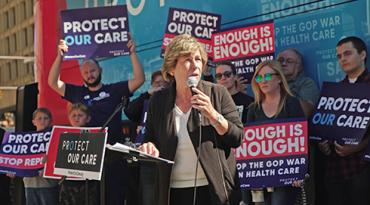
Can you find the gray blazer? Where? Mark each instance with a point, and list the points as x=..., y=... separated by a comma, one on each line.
x=216, y=157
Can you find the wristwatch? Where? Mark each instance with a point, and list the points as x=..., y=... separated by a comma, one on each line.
x=219, y=120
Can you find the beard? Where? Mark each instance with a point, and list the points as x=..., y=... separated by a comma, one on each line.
x=95, y=83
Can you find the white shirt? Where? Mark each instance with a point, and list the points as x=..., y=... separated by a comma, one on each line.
x=183, y=171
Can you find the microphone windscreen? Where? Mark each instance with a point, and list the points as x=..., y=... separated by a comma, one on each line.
x=192, y=81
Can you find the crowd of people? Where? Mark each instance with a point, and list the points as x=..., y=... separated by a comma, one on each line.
x=197, y=125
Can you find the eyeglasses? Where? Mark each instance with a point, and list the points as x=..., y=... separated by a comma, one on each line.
x=227, y=74
x=286, y=60
x=266, y=77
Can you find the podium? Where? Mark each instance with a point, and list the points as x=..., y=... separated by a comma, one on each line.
x=136, y=155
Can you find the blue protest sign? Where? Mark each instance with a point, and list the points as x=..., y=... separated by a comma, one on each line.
x=342, y=113
x=95, y=32
x=21, y=153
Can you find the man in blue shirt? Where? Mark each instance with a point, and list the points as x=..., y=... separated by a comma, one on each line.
x=101, y=100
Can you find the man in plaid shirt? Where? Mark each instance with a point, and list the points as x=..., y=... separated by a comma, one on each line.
x=347, y=176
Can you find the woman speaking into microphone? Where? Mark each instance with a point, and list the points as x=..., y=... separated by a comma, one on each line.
x=195, y=124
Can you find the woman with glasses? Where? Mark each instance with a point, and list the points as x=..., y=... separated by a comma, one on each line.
x=226, y=76
x=273, y=100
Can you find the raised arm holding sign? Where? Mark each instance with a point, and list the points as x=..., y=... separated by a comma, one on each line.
x=95, y=32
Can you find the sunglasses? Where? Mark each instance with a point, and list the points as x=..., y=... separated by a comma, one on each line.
x=287, y=61
x=266, y=77
x=227, y=74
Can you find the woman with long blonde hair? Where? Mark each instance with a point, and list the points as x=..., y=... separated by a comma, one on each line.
x=273, y=100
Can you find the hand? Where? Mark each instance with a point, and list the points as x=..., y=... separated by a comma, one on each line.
x=44, y=159
x=12, y=176
x=149, y=148
x=297, y=183
x=131, y=44
x=201, y=102
x=241, y=84
x=41, y=172
x=346, y=150
x=138, y=129
x=62, y=47
x=324, y=147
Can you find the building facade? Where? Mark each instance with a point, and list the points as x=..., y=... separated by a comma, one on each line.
x=16, y=40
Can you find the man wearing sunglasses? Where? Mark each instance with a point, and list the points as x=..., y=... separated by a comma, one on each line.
x=303, y=87
x=347, y=175
x=226, y=76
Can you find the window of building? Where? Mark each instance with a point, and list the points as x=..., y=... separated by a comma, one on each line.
x=6, y=21
x=30, y=70
x=6, y=45
x=24, y=34
x=12, y=44
x=29, y=9
x=30, y=34
x=9, y=72
x=11, y=17
x=21, y=68
x=3, y=22
x=3, y=73
x=22, y=11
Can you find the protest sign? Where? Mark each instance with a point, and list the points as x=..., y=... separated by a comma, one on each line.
x=200, y=25
x=81, y=155
x=95, y=32
x=273, y=154
x=342, y=113
x=21, y=153
x=245, y=47
x=56, y=132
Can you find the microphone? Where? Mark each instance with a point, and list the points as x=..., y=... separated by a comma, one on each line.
x=124, y=101
x=192, y=83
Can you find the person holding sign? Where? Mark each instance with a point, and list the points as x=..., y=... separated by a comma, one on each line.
x=101, y=100
x=273, y=100
x=38, y=190
x=306, y=90
x=74, y=192
x=347, y=175
x=196, y=126
x=226, y=76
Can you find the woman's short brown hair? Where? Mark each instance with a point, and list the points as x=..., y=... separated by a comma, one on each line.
x=181, y=45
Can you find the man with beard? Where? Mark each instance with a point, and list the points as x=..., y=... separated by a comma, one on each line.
x=101, y=100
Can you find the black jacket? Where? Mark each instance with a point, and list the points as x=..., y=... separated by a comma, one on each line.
x=216, y=157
